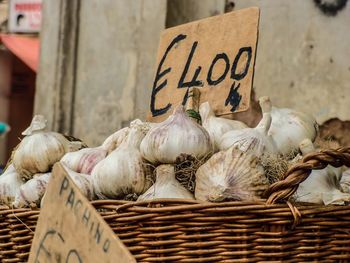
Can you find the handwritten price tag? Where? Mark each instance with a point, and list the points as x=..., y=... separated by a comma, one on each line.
x=70, y=229
x=216, y=54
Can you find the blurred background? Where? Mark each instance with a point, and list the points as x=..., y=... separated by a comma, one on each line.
x=88, y=66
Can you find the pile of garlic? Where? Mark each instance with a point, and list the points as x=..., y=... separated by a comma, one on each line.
x=229, y=152
x=24, y=181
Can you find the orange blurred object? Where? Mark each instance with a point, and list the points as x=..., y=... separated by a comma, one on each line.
x=24, y=48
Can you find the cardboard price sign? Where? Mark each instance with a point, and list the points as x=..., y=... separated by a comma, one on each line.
x=70, y=229
x=216, y=54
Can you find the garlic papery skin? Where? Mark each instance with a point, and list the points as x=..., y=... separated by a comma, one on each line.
x=113, y=141
x=217, y=126
x=321, y=186
x=40, y=150
x=290, y=127
x=345, y=181
x=32, y=191
x=166, y=186
x=84, y=160
x=230, y=175
x=178, y=134
x=116, y=139
x=255, y=140
x=83, y=182
x=39, y=123
x=121, y=172
x=10, y=183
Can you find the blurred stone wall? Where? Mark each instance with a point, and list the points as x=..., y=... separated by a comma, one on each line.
x=115, y=61
x=184, y=11
x=98, y=60
x=303, y=55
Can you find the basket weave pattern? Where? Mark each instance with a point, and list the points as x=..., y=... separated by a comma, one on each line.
x=187, y=231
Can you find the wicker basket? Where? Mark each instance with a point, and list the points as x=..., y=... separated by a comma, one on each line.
x=188, y=231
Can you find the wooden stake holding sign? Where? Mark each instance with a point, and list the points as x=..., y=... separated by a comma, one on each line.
x=216, y=54
x=70, y=229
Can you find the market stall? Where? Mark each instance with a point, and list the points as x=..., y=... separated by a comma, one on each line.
x=190, y=184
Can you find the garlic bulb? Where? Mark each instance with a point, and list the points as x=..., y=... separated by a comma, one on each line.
x=39, y=150
x=230, y=175
x=322, y=186
x=289, y=128
x=84, y=160
x=10, y=183
x=176, y=135
x=121, y=172
x=217, y=126
x=32, y=191
x=83, y=182
x=166, y=186
x=345, y=181
x=114, y=140
x=255, y=139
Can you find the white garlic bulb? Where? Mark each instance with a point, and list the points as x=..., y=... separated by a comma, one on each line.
x=39, y=150
x=322, y=186
x=113, y=141
x=83, y=182
x=121, y=172
x=84, y=160
x=217, y=126
x=255, y=139
x=345, y=181
x=166, y=186
x=32, y=191
x=10, y=183
x=176, y=135
x=290, y=127
x=230, y=175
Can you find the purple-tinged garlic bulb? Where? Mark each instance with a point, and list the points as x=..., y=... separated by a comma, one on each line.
x=178, y=134
x=230, y=175
x=254, y=140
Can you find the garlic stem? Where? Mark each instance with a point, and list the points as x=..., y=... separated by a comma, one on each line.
x=166, y=186
x=38, y=124
x=192, y=105
x=165, y=173
x=306, y=146
x=193, y=99
x=265, y=123
x=134, y=137
x=206, y=111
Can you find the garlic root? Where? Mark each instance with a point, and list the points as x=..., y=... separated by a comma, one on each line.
x=230, y=175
